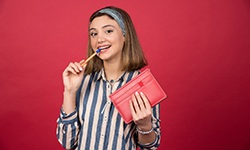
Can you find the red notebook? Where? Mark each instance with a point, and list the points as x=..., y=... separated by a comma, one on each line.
x=144, y=82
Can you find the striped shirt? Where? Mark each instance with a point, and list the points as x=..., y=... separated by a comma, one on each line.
x=96, y=123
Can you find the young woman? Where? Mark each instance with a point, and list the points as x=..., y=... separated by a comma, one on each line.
x=88, y=119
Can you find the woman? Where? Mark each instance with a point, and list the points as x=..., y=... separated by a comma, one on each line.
x=88, y=119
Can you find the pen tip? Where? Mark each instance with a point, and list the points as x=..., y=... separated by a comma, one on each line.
x=98, y=51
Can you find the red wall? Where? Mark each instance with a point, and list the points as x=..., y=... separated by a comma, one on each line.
x=198, y=51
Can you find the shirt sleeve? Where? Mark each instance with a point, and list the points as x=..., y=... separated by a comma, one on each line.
x=156, y=127
x=68, y=129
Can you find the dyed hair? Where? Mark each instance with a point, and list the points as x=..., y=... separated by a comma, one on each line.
x=132, y=54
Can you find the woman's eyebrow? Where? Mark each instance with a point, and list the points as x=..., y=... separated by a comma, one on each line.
x=109, y=25
x=92, y=29
x=105, y=26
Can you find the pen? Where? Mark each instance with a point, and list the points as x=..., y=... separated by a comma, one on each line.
x=90, y=57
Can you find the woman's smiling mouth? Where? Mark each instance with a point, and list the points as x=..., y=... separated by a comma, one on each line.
x=104, y=47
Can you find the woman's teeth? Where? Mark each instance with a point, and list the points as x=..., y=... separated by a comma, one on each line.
x=104, y=47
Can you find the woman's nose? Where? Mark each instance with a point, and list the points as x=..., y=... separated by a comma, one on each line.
x=101, y=38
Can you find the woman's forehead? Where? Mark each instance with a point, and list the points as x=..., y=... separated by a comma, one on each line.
x=102, y=21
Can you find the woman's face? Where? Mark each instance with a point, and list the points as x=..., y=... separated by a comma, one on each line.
x=106, y=34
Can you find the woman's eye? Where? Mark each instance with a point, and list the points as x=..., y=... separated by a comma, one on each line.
x=93, y=34
x=109, y=31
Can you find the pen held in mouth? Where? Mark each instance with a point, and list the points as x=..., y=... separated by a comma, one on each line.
x=98, y=51
x=90, y=57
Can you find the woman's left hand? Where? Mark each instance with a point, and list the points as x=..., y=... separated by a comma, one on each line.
x=141, y=111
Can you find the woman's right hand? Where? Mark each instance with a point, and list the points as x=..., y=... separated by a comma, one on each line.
x=72, y=76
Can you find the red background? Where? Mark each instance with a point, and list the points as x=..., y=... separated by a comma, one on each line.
x=198, y=50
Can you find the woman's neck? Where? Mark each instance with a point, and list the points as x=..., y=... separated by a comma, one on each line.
x=112, y=71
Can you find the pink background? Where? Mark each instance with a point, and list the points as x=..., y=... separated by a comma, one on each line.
x=198, y=50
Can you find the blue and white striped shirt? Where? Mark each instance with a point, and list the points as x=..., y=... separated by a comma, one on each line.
x=96, y=123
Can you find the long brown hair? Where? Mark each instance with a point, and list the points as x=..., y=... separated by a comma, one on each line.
x=132, y=55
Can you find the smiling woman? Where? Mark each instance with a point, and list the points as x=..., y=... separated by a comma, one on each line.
x=105, y=33
x=198, y=50
x=119, y=21
x=88, y=119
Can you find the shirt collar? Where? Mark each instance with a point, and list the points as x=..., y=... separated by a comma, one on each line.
x=101, y=75
x=98, y=75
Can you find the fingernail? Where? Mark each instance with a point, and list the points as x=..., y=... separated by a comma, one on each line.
x=81, y=68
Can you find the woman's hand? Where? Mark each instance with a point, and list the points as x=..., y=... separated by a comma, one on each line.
x=141, y=111
x=142, y=115
x=72, y=77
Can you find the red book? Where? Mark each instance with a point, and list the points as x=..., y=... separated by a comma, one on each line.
x=144, y=82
